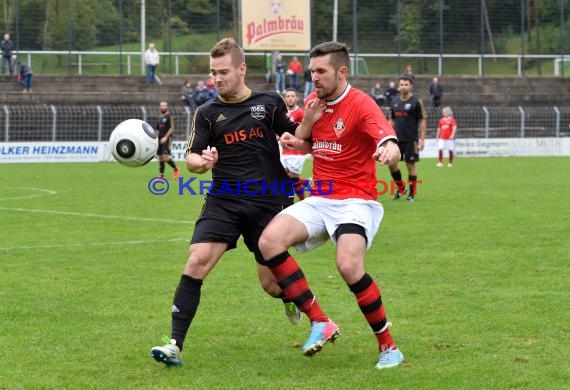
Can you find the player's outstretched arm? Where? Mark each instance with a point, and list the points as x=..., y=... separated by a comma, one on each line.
x=200, y=163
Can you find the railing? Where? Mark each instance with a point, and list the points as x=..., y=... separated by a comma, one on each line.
x=95, y=122
x=387, y=63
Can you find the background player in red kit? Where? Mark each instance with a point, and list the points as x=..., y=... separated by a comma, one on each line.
x=445, y=136
x=292, y=159
x=348, y=132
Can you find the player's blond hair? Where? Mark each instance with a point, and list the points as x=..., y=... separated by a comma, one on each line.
x=229, y=46
x=448, y=110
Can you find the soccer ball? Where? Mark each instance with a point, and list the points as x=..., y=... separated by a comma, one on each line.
x=133, y=143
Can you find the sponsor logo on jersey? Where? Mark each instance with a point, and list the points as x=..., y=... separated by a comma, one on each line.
x=339, y=127
x=258, y=112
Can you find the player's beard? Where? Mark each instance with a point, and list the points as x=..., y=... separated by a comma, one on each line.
x=323, y=92
x=163, y=111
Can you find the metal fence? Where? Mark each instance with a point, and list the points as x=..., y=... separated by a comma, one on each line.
x=488, y=29
x=95, y=123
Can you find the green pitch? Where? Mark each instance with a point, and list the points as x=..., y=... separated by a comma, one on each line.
x=475, y=277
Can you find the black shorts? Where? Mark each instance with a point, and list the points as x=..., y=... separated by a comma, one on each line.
x=409, y=151
x=224, y=219
x=163, y=149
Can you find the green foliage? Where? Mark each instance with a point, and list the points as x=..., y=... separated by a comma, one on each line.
x=474, y=277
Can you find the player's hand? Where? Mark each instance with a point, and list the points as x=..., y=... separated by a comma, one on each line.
x=209, y=157
x=388, y=153
x=163, y=140
x=288, y=141
x=314, y=110
x=421, y=144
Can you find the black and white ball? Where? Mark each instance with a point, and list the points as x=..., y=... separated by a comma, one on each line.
x=133, y=143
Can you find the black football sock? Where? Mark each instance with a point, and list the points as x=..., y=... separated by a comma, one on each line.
x=412, y=180
x=171, y=163
x=397, y=177
x=184, y=307
x=283, y=298
x=161, y=168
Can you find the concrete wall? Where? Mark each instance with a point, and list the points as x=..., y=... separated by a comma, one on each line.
x=510, y=91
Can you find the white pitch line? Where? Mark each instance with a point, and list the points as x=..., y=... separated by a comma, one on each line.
x=42, y=192
x=135, y=242
x=95, y=215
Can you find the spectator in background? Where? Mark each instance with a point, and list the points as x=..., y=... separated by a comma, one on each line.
x=308, y=82
x=377, y=94
x=279, y=68
x=391, y=92
x=188, y=94
x=152, y=59
x=212, y=92
x=201, y=93
x=436, y=92
x=25, y=74
x=445, y=136
x=294, y=70
x=410, y=71
x=7, y=46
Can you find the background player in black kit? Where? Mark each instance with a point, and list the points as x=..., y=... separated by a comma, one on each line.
x=233, y=135
x=409, y=119
x=165, y=128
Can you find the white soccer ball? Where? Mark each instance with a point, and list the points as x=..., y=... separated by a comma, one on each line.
x=133, y=143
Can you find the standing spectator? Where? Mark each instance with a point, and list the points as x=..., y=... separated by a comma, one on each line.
x=294, y=70
x=410, y=71
x=377, y=94
x=7, y=46
x=152, y=59
x=279, y=67
x=391, y=92
x=212, y=92
x=409, y=119
x=436, y=92
x=25, y=74
x=348, y=132
x=188, y=94
x=308, y=82
x=445, y=136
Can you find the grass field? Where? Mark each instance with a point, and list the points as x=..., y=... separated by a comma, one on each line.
x=475, y=277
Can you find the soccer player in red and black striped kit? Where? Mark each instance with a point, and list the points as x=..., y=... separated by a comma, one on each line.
x=234, y=136
x=347, y=132
x=409, y=119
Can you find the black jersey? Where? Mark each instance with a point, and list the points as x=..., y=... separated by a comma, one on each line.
x=164, y=123
x=245, y=136
x=406, y=115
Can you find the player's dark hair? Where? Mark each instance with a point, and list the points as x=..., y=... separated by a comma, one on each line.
x=290, y=89
x=229, y=46
x=338, y=51
x=407, y=77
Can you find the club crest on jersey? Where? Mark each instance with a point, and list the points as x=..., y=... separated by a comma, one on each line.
x=407, y=106
x=339, y=127
x=258, y=112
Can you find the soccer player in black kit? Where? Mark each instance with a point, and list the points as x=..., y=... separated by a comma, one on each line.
x=233, y=135
x=165, y=129
x=409, y=119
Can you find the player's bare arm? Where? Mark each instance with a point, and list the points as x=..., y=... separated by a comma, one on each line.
x=387, y=153
x=167, y=136
x=422, y=125
x=313, y=111
x=289, y=141
x=200, y=163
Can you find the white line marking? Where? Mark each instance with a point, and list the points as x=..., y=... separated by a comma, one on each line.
x=96, y=215
x=136, y=242
x=42, y=192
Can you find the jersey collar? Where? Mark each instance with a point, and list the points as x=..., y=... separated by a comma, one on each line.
x=342, y=95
